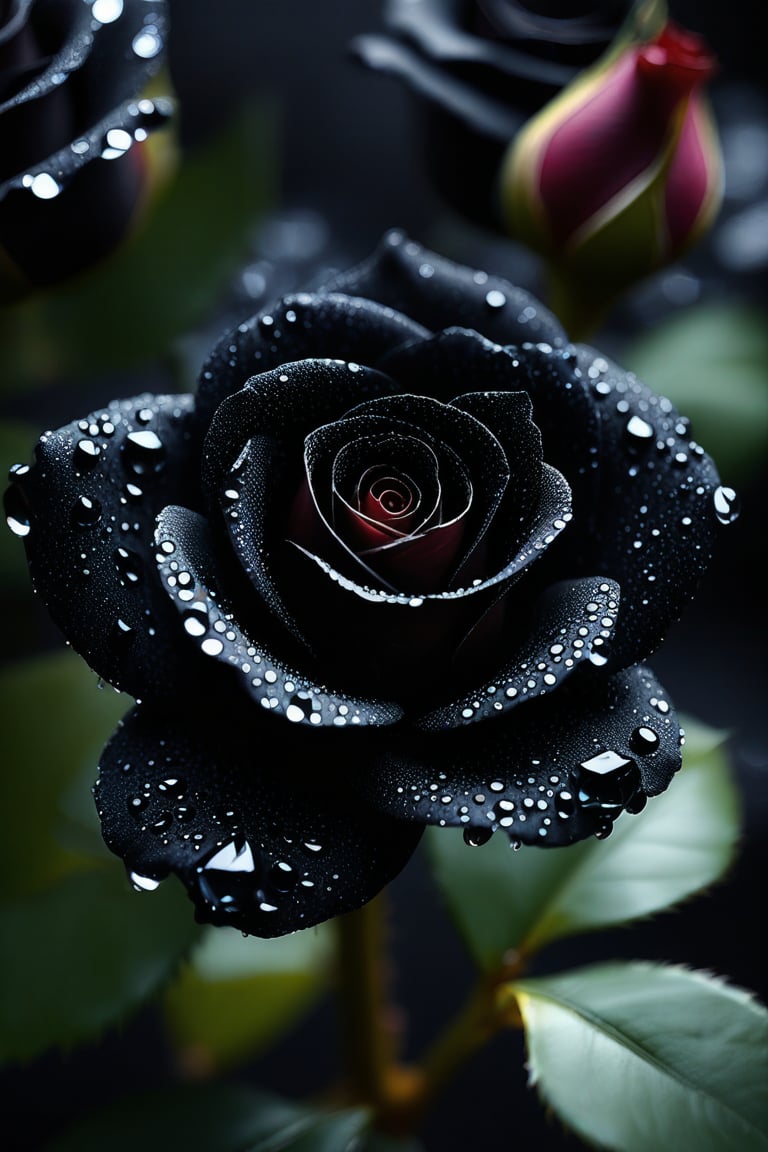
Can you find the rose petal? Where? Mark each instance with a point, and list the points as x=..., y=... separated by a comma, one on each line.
x=197, y=583
x=449, y=295
x=654, y=525
x=265, y=845
x=570, y=626
x=301, y=327
x=90, y=502
x=556, y=771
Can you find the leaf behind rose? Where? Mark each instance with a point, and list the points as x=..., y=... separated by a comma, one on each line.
x=235, y=995
x=682, y=842
x=213, y=1118
x=636, y=1057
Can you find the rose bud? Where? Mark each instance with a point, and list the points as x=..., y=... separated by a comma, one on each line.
x=75, y=165
x=480, y=68
x=399, y=561
x=621, y=173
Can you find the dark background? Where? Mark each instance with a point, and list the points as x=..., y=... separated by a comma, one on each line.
x=349, y=167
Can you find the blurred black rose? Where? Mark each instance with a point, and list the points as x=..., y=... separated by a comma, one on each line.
x=75, y=170
x=481, y=68
x=398, y=562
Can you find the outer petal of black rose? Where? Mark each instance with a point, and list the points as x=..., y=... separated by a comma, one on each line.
x=566, y=629
x=88, y=507
x=556, y=771
x=301, y=327
x=654, y=522
x=199, y=585
x=266, y=845
x=439, y=293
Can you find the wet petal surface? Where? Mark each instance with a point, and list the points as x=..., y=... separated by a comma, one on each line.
x=267, y=838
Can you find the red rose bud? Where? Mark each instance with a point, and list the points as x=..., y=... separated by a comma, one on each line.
x=77, y=166
x=621, y=173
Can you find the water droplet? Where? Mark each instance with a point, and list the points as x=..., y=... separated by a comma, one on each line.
x=143, y=883
x=639, y=431
x=44, y=186
x=143, y=452
x=607, y=781
x=644, y=740
x=107, y=11
x=727, y=505
x=137, y=804
x=86, y=512
x=495, y=299
x=227, y=880
x=16, y=512
x=147, y=43
x=476, y=837
x=565, y=805
x=86, y=455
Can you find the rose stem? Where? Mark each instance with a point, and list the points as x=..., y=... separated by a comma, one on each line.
x=471, y=1029
x=366, y=1041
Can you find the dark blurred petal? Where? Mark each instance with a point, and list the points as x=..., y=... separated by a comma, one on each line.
x=265, y=841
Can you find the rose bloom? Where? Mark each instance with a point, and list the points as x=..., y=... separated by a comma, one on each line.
x=398, y=562
x=75, y=168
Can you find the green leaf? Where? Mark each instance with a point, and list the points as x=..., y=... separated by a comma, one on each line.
x=163, y=281
x=712, y=362
x=637, y=1057
x=682, y=842
x=55, y=723
x=80, y=956
x=234, y=994
x=213, y=1118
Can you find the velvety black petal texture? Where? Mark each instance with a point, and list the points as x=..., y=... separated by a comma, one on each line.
x=399, y=562
x=267, y=837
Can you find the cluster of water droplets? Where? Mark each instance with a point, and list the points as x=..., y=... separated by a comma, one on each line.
x=232, y=878
x=535, y=806
x=653, y=431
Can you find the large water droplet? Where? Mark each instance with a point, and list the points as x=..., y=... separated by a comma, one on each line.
x=143, y=452
x=476, y=837
x=727, y=505
x=86, y=512
x=86, y=455
x=607, y=781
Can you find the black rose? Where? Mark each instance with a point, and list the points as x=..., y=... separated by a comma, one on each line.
x=480, y=68
x=397, y=563
x=73, y=121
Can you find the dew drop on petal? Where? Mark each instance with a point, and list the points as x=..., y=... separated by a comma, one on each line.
x=727, y=505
